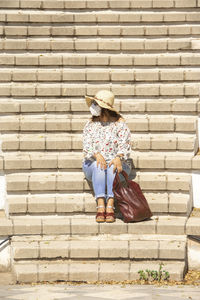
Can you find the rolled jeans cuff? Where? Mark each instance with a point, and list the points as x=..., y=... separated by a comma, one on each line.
x=100, y=196
x=109, y=196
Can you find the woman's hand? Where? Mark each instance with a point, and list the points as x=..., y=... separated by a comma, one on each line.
x=116, y=162
x=100, y=161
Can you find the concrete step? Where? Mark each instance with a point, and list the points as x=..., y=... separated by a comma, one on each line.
x=101, y=74
x=46, y=70
x=81, y=89
x=100, y=44
x=23, y=30
x=137, y=106
x=63, y=141
x=70, y=4
x=87, y=225
x=99, y=247
x=100, y=59
x=161, y=203
x=105, y=16
x=91, y=270
x=7, y=278
x=193, y=225
x=74, y=181
x=73, y=160
x=69, y=123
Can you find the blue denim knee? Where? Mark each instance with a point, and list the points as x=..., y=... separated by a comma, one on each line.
x=102, y=178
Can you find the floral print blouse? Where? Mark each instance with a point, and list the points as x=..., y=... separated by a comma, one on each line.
x=107, y=138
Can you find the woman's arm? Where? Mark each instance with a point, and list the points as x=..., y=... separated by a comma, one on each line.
x=88, y=141
x=124, y=145
x=89, y=150
x=124, y=140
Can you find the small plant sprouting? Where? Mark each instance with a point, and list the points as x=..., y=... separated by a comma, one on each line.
x=143, y=276
x=153, y=275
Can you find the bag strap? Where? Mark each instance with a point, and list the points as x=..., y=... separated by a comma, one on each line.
x=125, y=175
x=117, y=180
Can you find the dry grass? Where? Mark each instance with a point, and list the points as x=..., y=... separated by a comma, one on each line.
x=191, y=278
x=195, y=212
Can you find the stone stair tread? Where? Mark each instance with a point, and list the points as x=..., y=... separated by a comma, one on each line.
x=100, y=59
x=86, y=225
x=67, y=123
x=67, y=142
x=29, y=271
x=103, y=31
x=39, y=106
x=109, y=247
x=69, y=4
x=79, y=154
x=73, y=160
x=40, y=135
x=116, y=70
x=105, y=237
x=175, y=89
x=80, y=134
x=46, y=16
x=163, y=203
x=55, y=181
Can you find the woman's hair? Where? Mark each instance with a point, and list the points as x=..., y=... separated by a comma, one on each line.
x=112, y=115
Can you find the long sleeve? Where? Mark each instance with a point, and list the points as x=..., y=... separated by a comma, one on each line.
x=88, y=141
x=124, y=140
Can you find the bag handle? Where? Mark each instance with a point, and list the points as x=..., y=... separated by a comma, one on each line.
x=118, y=180
x=125, y=175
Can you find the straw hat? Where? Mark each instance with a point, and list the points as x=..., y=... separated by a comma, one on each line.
x=104, y=99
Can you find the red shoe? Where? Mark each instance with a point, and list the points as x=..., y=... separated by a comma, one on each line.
x=110, y=216
x=100, y=216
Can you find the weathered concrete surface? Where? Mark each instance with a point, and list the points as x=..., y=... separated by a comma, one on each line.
x=88, y=292
x=193, y=254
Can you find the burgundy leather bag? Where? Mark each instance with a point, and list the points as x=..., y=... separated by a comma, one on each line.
x=130, y=200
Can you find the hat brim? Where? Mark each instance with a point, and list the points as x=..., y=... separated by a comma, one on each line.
x=89, y=100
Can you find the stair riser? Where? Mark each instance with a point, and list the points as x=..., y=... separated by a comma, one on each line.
x=61, y=4
x=66, y=143
x=114, y=60
x=92, y=17
x=101, y=31
x=100, y=250
x=90, y=271
x=105, y=75
x=88, y=226
x=65, y=184
x=160, y=203
x=141, y=106
x=69, y=162
x=64, y=124
x=80, y=90
x=102, y=45
x=75, y=226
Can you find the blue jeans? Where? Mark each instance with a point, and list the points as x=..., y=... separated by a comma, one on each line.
x=102, y=178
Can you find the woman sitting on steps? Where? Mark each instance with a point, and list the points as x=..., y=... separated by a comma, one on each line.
x=106, y=147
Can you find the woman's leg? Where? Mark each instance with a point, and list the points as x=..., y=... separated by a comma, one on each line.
x=110, y=196
x=97, y=176
x=109, y=181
